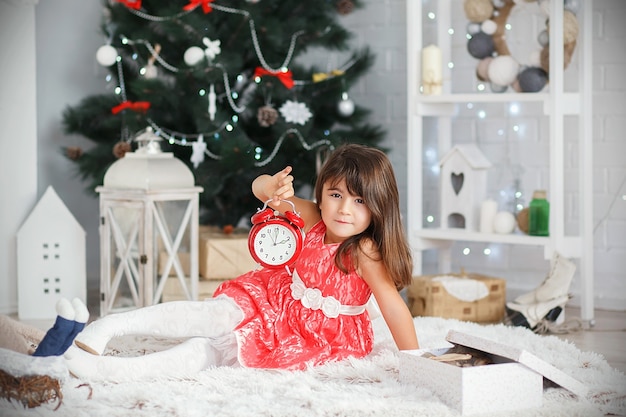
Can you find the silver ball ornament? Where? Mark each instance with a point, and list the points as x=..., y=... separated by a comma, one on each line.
x=473, y=28
x=543, y=38
x=496, y=88
x=106, y=55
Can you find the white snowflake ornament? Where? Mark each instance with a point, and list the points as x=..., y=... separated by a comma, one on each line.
x=199, y=146
x=212, y=48
x=295, y=112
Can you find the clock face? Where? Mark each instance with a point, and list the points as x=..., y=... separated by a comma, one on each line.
x=275, y=244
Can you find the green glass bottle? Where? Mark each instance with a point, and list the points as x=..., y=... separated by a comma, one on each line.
x=539, y=215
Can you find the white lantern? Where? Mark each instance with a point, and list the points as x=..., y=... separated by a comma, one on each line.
x=148, y=210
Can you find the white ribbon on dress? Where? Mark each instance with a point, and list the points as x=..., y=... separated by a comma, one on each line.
x=312, y=298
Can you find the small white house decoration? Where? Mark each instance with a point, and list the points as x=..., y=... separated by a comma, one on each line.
x=463, y=186
x=50, y=259
x=148, y=204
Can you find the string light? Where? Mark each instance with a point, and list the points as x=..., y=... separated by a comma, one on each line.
x=187, y=139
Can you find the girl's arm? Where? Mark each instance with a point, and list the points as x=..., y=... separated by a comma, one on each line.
x=393, y=308
x=280, y=187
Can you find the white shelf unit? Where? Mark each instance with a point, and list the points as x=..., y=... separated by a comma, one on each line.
x=556, y=104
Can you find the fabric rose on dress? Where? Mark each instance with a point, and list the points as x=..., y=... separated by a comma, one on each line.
x=312, y=298
x=330, y=307
x=297, y=290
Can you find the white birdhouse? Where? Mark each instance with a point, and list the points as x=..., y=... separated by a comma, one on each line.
x=50, y=259
x=463, y=186
x=148, y=208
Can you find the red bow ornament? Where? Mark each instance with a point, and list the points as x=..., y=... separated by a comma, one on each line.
x=137, y=106
x=206, y=5
x=285, y=77
x=131, y=4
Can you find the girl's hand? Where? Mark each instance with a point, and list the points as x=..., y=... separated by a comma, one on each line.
x=280, y=186
x=274, y=187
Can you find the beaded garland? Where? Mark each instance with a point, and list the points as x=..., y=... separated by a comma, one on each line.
x=487, y=42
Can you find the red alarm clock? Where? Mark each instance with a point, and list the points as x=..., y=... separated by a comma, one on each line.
x=276, y=239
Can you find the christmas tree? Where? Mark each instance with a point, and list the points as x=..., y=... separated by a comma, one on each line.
x=221, y=85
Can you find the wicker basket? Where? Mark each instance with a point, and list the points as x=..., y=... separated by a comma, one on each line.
x=430, y=298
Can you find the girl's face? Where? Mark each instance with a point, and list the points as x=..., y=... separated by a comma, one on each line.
x=344, y=214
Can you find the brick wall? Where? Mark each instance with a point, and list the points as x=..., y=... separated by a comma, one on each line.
x=520, y=140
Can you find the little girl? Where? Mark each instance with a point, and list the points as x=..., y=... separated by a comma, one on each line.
x=354, y=248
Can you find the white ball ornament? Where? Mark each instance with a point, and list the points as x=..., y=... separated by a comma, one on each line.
x=193, y=55
x=503, y=70
x=504, y=222
x=106, y=55
x=489, y=27
x=345, y=107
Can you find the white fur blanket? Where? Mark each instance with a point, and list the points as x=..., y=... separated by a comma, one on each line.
x=365, y=387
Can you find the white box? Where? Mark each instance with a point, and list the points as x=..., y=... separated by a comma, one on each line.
x=513, y=382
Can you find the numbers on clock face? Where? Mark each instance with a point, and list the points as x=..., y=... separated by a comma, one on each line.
x=275, y=244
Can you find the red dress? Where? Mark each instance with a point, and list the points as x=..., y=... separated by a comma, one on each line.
x=326, y=321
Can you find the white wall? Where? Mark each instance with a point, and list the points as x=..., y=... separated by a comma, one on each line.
x=18, y=145
x=67, y=72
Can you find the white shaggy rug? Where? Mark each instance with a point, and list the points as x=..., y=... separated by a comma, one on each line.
x=359, y=388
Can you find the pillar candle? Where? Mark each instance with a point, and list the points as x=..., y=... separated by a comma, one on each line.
x=488, y=210
x=432, y=78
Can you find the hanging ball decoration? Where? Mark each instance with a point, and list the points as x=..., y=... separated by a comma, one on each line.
x=532, y=79
x=568, y=51
x=120, y=149
x=193, y=55
x=482, y=70
x=106, y=55
x=489, y=27
x=504, y=222
x=345, y=107
x=497, y=88
x=480, y=45
x=473, y=28
x=543, y=38
x=503, y=70
x=487, y=39
x=267, y=116
x=478, y=10
x=570, y=27
x=74, y=152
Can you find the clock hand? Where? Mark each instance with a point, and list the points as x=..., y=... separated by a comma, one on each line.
x=271, y=235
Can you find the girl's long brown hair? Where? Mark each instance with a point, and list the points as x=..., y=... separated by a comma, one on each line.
x=368, y=173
